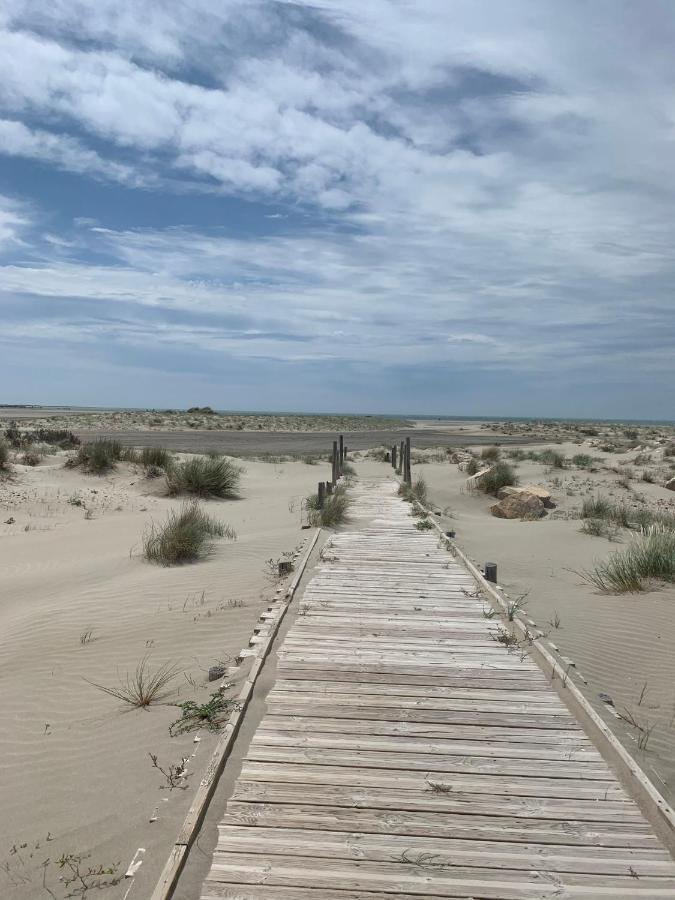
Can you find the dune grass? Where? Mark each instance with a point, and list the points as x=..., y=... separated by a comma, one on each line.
x=212, y=476
x=334, y=511
x=418, y=490
x=156, y=457
x=144, y=686
x=649, y=556
x=98, y=457
x=32, y=456
x=491, y=454
x=552, y=458
x=501, y=475
x=4, y=455
x=582, y=460
x=185, y=536
x=472, y=466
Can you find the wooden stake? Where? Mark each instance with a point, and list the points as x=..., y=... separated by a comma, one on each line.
x=321, y=494
x=407, y=476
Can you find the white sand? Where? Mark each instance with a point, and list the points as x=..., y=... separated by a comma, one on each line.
x=74, y=760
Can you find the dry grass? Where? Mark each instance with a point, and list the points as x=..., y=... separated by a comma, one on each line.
x=144, y=686
x=184, y=537
x=650, y=556
x=212, y=476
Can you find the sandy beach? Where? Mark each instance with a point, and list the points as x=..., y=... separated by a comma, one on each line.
x=80, y=605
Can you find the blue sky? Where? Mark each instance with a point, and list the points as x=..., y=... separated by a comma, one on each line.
x=435, y=206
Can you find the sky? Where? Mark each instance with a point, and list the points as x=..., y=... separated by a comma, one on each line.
x=400, y=206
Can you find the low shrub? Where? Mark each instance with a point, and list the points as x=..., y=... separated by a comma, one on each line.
x=4, y=455
x=651, y=556
x=156, y=457
x=416, y=491
x=205, y=477
x=582, y=460
x=600, y=528
x=552, y=458
x=648, y=476
x=97, y=457
x=491, y=454
x=32, y=456
x=184, y=537
x=471, y=466
x=500, y=475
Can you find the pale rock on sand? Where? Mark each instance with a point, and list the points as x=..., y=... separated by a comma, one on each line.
x=535, y=490
x=520, y=505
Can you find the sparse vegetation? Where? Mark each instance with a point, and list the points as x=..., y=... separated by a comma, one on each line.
x=501, y=475
x=600, y=528
x=4, y=455
x=552, y=458
x=416, y=491
x=650, y=556
x=142, y=687
x=211, y=714
x=334, y=511
x=471, y=466
x=85, y=877
x=174, y=774
x=424, y=525
x=156, y=458
x=205, y=477
x=184, y=537
x=490, y=454
x=32, y=456
x=583, y=460
x=97, y=457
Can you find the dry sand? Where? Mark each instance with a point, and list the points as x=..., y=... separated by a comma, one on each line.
x=623, y=645
x=77, y=777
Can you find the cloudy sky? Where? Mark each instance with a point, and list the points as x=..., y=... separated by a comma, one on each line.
x=433, y=206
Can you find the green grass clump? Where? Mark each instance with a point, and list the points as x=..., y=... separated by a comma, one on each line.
x=98, y=457
x=144, y=686
x=552, y=458
x=501, y=475
x=334, y=511
x=416, y=491
x=184, y=537
x=424, y=525
x=582, y=460
x=211, y=715
x=651, y=556
x=600, y=528
x=32, y=456
x=602, y=508
x=212, y=476
x=156, y=458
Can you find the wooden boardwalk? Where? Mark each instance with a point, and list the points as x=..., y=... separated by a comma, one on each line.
x=406, y=753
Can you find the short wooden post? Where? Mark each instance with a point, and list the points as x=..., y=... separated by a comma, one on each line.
x=346, y=451
x=321, y=494
x=285, y=567
x=491, y=572
x=401, y=458
x=336, y=466
x=329, y=487
x=408, y=475
x=393, y=457
x=342, y=452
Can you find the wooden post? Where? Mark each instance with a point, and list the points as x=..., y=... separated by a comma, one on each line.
x=401, y=459
x=342, y=451
x=329, y=487
x=491, y=572
x=408, y=475
x=336, y=466
x=393, y=456
x=321, y=494
x=346, y=451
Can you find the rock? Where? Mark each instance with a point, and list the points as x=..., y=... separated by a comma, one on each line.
x=216, y=672
x=670, y=485
x=519, y=506
x=534, y=489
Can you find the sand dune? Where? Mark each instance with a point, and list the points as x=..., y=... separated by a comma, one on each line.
x=75, y=760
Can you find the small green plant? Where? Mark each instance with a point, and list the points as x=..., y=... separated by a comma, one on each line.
x=515, y=606
x=142, y=687
x=185, y=536
x=600, y=528
x=211, y=714
x=212, y=476
x=500, y=475
x=502, y=636
x=416, y=491
x=424, y=525
x=32, y=456
x=87, y=637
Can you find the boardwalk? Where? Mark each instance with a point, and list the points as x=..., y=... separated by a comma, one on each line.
x=406, y=753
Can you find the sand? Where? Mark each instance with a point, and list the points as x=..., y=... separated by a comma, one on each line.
x=621, y=644
x=77, y=777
